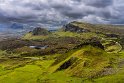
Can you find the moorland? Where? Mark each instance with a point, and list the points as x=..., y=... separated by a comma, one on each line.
x=76, y=53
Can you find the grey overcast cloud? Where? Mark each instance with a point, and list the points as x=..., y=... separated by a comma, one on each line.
x=58, y=12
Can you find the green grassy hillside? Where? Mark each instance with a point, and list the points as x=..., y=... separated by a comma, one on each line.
x=87, y=64
x=77, y=53
x=100, y=28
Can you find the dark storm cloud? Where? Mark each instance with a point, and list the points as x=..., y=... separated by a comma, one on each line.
x=58, y=12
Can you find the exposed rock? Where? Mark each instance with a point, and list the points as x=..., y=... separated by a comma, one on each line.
x=40, y=31
x=112, y=35
x=93, y=42
x=73, y=28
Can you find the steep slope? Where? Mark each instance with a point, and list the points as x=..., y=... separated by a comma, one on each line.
x=78, y=53
x=88, y=62
x=111, y=46
x=37, y=33
x=40, y=31
x=87, y=27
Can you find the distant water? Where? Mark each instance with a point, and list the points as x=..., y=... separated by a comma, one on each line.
x=4, y=36
x=10, y=33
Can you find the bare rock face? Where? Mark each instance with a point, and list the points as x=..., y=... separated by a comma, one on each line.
x=40, y=31
x=95, y=42
x=112, y=35
x=74, y=28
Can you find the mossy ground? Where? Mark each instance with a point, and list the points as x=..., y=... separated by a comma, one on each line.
x=111, y=46
x=57, y=34
x=35, y=72
x=87, y=64
x=116, y=78
x=39, y=71
x=29, y=36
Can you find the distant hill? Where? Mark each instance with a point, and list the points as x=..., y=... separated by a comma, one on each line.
x=77, y=53
x=40, y=31
x=99, y=28
x=16, y=26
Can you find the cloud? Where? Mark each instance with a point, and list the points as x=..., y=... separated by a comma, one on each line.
x=98, y=3
x=57, y=12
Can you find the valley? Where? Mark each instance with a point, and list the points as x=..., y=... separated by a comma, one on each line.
x=76, y=53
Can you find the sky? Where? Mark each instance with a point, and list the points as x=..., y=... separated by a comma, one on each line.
x=53, y=13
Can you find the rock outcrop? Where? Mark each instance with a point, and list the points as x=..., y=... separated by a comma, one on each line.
x=74, y=28
x=40, y=31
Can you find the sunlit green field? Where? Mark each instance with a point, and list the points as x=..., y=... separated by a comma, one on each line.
x=40, y=71
x=35, y=72
x=83, y=64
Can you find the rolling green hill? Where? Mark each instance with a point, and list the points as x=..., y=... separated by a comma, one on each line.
x=76, y=53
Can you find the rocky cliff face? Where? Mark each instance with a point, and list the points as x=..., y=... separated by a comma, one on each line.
x=40, y=31
x=74, y=28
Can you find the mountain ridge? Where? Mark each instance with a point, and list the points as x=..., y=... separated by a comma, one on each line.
x=77, y=52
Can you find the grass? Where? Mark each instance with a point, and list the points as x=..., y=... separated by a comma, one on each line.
x=3, y=53
x=88, y=62
x=4, y=71
x=36, y=72
x=114, y=48
x=39, y=71
x=100, y=28
x=26, y=74
x=29, y=36
x=116, y=78
x=58, y=34
x=19, y=76
x=81, y=65
x=111, y=46
x=72, y=34
x=59, y=77
x=121, y=54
